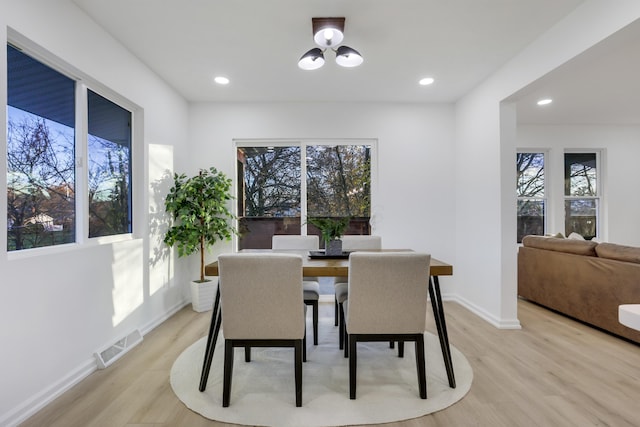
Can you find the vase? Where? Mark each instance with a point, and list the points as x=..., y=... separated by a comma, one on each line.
x=333, y=247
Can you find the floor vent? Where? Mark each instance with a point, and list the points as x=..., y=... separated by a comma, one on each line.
x=112, y=353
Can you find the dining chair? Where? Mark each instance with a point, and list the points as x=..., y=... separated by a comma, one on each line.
x=310, y=285
x=387, y=302
x=349, y=243
x=262, y=306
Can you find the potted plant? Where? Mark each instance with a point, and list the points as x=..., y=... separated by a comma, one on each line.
x=198, y=205
x=331, y=230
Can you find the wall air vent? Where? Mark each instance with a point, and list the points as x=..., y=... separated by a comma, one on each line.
x=115, y=351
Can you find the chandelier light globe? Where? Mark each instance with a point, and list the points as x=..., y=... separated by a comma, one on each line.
x=312, y=60
x=348, y=57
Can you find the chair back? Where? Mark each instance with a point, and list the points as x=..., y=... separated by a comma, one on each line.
x=387, y=292
x=294, y=241
x=261, y=296
x=354, y=242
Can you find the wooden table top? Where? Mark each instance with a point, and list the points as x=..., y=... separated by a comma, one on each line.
x=334, y=267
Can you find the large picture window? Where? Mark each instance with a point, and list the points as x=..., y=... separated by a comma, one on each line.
x=530, y=189
x=43, y=155
x=279, y=186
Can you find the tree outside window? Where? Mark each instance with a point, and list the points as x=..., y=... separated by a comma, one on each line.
x=581, y=194
x=530, y=190
x=42, y=157
x=271, y=184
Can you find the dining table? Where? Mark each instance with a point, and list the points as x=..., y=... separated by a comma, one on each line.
x=324, y=266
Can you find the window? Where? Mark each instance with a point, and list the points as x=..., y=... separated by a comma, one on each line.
x=279, y=187
x=109, y=167
x=43, y=151
x=581, y=195
x=530, y=189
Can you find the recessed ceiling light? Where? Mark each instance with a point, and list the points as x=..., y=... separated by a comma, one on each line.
x=545, y=101
x=426, y=81
x=221, y=80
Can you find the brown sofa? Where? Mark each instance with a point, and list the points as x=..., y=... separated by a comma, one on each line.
x=581, y=278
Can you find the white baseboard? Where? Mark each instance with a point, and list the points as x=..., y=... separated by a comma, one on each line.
x=498, y=323
x=38, y=401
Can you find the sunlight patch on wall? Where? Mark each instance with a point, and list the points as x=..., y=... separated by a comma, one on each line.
x=160, y=180
x=128, y=279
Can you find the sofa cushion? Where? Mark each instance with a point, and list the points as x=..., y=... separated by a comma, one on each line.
x=618, y=252
x=578, y=247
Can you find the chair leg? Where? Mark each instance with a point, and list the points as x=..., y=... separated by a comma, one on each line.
x=315, y=322
x=228, y=371
x=314, y=306
x=421, y=367
x=341, y=327
x=304, y=345
x=335, y=312
x=298, y=371
x=400, y=348
x=353, y=362
x=247, y=353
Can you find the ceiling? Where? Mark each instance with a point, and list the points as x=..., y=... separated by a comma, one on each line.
x=257, y=43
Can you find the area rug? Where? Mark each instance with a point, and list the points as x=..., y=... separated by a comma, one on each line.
x=263, y=391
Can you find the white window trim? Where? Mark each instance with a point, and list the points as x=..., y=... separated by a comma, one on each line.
x=601, y=233
x=303, y=143
x=547, y=196
x=138, y=164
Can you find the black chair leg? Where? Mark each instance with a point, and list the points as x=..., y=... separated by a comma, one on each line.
x=247, y=353
x=353, y=363
x=342, y=326
x=298, y=371
x=335, y=312
x=315, y=322
x=400, y=348
x=421, y=367
x=228, y=371
x=314, y=307
x=304, y=346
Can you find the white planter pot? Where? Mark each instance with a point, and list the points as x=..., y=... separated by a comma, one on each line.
x=203, y=295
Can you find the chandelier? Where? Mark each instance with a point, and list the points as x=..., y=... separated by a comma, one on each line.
x=328, y=33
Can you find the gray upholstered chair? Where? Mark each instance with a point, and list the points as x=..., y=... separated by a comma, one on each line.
x=262, y=306
x=350, y=243
x=310, y=285
x=387, y=302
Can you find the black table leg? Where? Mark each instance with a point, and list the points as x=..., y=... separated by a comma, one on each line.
x=441, y=325
x=212, y=339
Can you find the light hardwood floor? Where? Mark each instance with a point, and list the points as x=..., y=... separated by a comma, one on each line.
x=553, y=372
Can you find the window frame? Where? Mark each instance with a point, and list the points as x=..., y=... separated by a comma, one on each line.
x=598, y=188
x=83, y=83
x=545, y=199
x=303, y=143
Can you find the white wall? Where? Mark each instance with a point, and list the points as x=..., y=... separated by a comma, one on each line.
x=58, y=307
x=414, y=202
x=446, y=181
x=620, y=209
x=486, y=255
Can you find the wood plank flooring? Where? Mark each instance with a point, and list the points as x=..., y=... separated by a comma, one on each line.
x=553, y=372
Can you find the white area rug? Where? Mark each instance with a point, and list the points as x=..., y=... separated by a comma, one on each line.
x=263, y=391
